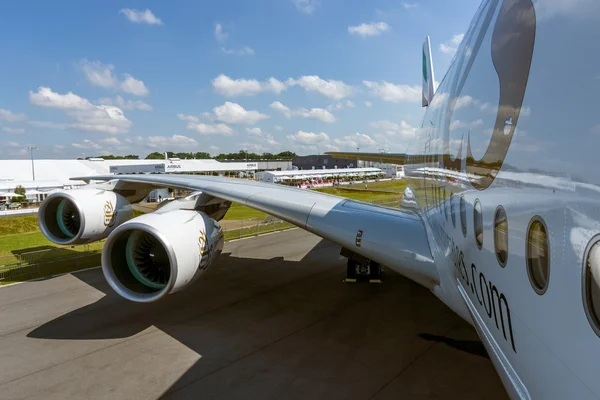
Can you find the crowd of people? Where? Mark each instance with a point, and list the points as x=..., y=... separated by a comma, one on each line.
x=334, y=180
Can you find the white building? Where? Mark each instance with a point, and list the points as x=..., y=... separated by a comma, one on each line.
x=318, y=177
x=390, y=170
x=57, y=174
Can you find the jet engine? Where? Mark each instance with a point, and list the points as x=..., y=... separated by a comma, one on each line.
x=81, y=216
x=157, y=254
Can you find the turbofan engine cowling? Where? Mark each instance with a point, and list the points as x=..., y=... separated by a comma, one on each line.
x=157, y=254
x=82, y=215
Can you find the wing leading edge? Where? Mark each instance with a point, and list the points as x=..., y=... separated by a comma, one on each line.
x=394, y=238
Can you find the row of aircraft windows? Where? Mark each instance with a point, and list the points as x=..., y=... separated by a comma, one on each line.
x=537, y=252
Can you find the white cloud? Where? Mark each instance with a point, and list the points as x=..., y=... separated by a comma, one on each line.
x=99, y=74
x=314, y=113
x=278, y=128
x=306, y=6
x=220, y=33
x=45, y=97
x=102, y=75
x=409, y=6
x=451, y=46
x=162, y=142
x=355, y=140
x=332, y=89
x=253, y=147
x=102, y=119
x=189, y=118
x=403, y=129
x=14, y=131
x=254, y=131
x=341, y=105
x=394, y=93
x=12, y=144
x=226, y=86
x=244, y=51
x=259, y=133
x=210, y=129
x=178, y=141
x=134, y=86
x=370, y=29
x=229, y=87
x=84, y=115
x=278, y=106
x=308, y=138
x=194, y=124
x=463, y=101
x=87, y=144
x=458, y=124
x=368, y=104
x=141, y=16
x=233, y=113
x=9, y=116
x=112, y=141
x=125, y=104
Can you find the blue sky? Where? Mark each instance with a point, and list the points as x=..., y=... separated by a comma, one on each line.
x=88, y=78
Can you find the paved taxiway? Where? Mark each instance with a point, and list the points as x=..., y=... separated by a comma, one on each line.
x=272, y=321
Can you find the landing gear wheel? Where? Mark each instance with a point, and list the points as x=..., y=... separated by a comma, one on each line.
x=366, y=270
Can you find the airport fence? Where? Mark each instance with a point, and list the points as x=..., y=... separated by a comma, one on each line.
x=47, y=262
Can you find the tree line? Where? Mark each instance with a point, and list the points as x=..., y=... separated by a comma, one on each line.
x=240, y=155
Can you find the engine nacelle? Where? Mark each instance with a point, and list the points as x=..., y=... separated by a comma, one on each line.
x=81, y=216
x=157, y=254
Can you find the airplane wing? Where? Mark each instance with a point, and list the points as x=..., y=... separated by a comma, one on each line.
x=395, y=238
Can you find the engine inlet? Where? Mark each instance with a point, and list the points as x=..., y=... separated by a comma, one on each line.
x=147, y=260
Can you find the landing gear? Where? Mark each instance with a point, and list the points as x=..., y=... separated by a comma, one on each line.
x=360, y=268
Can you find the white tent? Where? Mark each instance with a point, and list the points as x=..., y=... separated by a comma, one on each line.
x=9, y=194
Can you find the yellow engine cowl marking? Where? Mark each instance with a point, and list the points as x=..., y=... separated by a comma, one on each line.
x=204, y=250
x=109, y=214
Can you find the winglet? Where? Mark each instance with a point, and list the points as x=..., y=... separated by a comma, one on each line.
x=428, y=78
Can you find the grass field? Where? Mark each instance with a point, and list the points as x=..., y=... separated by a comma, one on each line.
x=21, y=239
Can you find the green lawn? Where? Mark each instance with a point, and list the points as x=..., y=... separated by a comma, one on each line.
x=18, y=224
x=397, y=186
x=238, y=211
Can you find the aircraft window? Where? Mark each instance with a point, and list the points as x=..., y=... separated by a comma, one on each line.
x=463, y=216
x=501, y=236
x=478, y=224
x=592, y=286
x=452, y=215
x=538, y=255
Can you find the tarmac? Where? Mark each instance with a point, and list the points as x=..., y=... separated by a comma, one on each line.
x=272, y=320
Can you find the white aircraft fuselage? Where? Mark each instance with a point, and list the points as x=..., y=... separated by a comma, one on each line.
x=516, y=118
